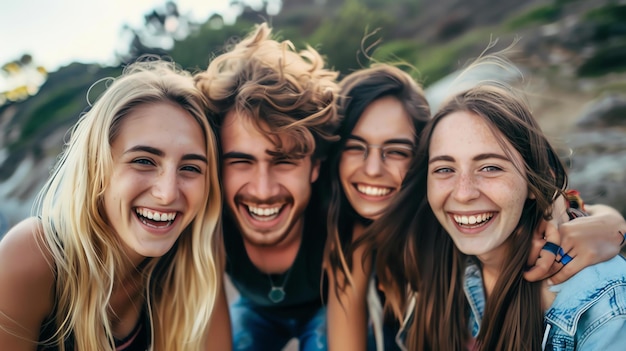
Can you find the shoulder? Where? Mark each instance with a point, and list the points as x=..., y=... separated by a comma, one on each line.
x=591, y=297
x=24, y=244
x=26, y=273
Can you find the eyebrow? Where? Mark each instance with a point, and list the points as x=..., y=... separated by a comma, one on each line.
x=160, y=153
x=238, y=155
x=476, y=158
x=386, y=142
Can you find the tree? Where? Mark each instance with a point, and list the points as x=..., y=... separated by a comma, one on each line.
x=344, y=37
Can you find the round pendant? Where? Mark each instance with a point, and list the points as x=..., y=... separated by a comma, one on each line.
x=276, y=295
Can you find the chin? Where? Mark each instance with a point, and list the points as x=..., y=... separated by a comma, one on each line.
x=371, y=214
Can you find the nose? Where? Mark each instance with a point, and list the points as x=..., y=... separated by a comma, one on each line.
x=166, y=187
x=373, y=162
x=466, y=189
x=263, y=185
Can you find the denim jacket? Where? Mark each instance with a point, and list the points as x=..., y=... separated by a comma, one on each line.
x=588, y=313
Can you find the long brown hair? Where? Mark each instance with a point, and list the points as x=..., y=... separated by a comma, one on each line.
x=281, y=90
x=358, y=90
x=430, y=265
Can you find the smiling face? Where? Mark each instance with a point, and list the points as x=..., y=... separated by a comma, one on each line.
x=266, y=195
x=474, y=189
x=158, y=181
x=371, y=182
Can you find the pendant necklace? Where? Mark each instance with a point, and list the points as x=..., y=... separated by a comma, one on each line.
x=277, y=293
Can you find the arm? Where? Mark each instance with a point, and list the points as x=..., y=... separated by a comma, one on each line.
x=589, y=240
x=347, y=313
x=26, y=287
x=610, y=336
x=219, y=336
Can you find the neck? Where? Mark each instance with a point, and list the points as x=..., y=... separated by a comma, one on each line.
x=490, y=277
x=492, y=263
x=491, y=269
x=126, y=302
x=358, y=230
x=276, y=259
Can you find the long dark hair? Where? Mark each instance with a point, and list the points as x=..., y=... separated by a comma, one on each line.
x=414, y=250
x=357, y=91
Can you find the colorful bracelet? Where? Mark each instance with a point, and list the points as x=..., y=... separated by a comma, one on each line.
x=575, y=204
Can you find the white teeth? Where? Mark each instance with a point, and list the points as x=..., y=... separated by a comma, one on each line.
x=156, y=216
x=471, y=220
x=264, y=214
x=372, y=191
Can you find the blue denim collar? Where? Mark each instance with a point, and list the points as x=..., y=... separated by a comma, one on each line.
x=475, y=294
x=576, y=295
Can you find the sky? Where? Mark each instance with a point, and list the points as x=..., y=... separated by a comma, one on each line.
x=58, y=32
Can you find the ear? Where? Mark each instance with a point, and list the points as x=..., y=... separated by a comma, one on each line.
x=531, y=195
x=315, y=169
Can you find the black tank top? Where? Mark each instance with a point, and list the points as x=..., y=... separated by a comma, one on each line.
x=302, y=287
x=137, y=340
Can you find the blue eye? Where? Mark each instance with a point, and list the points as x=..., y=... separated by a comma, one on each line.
x=492, y=168
x=143, y=161
x=443, y=170
x=192, y=168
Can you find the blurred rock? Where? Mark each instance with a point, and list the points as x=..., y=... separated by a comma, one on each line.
x=606, y=111
x=598, y=166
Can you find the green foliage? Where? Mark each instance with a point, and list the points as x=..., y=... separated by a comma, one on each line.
x=612, y=12
x=348, y=33
x=342, y=36
x=403, y=53
x=437, y=61
x=59, y=102
x=538, y=15
x=610, y=57
x=407, y=7
x=612, y=87
x=608, y=21
x=398, y=50
x=195, y=52
x=59, y=108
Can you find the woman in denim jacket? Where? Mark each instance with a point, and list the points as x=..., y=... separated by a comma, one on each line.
x=588, y=312
x=484, y=179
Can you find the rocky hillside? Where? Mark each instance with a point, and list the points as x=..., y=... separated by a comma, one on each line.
x=573, y=54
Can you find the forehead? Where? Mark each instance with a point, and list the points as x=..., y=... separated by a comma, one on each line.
x=159, y=123
x=464, y=132
x=385, y=118
x=239, y=133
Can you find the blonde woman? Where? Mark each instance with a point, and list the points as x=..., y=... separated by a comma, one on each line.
x=124, y=252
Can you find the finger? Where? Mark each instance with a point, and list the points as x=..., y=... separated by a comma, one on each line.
x=563, y=257
x=537, y=243
x=571, y=264
x=552, y=233
x=552, y=248
x=568, y=242
x=546, y=265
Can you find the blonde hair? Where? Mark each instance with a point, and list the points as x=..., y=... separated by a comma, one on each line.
x=282, y=91
x=181, y=287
